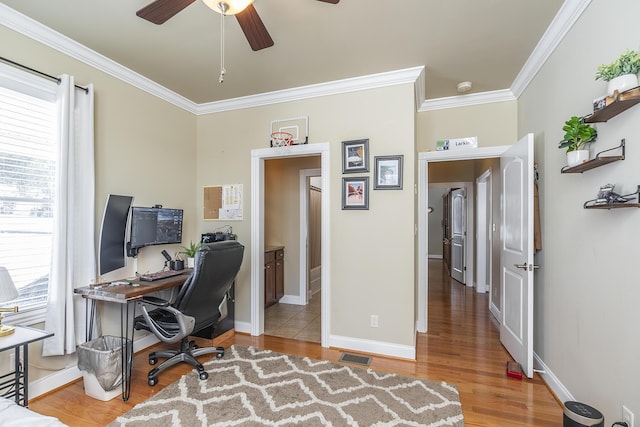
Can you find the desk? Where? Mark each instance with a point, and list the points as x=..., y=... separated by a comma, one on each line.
x=124, y=295
x=16, y=384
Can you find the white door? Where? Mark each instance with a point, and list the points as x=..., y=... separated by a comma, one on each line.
x=516, y=328
x=458, y=234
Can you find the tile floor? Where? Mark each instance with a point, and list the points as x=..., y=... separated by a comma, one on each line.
x=301, y=322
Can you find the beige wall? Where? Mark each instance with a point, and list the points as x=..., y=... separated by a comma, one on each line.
x=282, y=212
x=587, y=295
x=494, y=124
x=144, y=147
x=361, y=251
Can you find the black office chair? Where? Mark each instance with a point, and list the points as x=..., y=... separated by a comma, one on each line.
x=200, y=304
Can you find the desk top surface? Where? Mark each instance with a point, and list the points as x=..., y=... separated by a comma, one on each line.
x=136, y=289
x=22, y=335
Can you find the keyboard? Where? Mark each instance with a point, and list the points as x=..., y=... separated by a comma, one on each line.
x=150, y=277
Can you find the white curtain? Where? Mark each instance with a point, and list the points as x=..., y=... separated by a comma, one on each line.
x=73, y=261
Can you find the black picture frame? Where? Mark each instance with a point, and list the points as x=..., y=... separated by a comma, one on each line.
x=355, y=156
x=388, y=171
x=355, y=193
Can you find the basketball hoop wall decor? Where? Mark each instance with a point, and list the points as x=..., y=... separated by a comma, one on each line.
x=287, y=132
x=281, y=139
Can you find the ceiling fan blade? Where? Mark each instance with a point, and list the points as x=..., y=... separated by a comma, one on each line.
x=331, y=1
x=254, y=29
x=160, y=11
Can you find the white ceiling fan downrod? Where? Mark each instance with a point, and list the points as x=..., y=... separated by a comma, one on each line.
x=223, y=8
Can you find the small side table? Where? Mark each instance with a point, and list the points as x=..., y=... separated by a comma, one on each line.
x=16, y=384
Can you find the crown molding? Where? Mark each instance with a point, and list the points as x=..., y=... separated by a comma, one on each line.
x=568, y=14
x=22, y=24
x=373, y=81
x=467, y=100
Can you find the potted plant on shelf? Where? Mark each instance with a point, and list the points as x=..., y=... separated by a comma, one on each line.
x=622, y=74
x=190, y=252
x=577, y=135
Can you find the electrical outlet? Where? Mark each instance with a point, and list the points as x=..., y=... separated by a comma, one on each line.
x=374, y=321
x=627, y=416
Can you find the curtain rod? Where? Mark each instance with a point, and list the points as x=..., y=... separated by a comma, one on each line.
x=49, y=76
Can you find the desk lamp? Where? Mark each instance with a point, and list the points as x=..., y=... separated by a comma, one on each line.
x=8, y=292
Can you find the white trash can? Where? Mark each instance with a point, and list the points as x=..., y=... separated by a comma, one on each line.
x=101, y=362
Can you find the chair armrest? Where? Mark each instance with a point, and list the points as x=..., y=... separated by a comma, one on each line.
x=158, y=302
x=185, y=324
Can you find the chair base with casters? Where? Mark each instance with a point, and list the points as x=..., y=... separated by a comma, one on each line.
x=187, y=353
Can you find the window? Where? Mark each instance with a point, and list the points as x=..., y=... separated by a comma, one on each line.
x=28, y=154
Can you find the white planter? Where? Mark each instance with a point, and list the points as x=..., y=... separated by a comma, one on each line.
x=576, y=157
x=191, y=262
x=622, y=83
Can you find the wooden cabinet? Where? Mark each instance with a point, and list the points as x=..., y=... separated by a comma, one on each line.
x=273, y=274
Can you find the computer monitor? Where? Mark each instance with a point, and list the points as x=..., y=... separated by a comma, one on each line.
x=154, y=226
x=113, y=232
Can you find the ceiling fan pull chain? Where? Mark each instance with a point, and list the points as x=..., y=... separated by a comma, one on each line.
x=222, y=69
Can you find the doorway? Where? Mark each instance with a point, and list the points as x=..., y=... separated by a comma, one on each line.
x=258, y=158
x=424, y=159
x=295, y=312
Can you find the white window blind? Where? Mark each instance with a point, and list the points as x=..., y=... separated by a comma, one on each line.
x=28, y=156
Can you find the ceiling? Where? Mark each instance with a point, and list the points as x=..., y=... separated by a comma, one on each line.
x=486, y=42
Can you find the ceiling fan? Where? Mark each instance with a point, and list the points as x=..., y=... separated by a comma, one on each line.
x=254, y=30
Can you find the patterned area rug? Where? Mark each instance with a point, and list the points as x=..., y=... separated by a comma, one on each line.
x=251, y=387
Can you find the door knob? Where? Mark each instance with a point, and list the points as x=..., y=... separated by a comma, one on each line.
x=526, y=266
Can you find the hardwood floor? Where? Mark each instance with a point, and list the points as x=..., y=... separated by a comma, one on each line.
x=462, y=347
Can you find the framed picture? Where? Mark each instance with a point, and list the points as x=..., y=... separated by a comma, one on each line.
x=355, y=193
x=355, y=156
x=388, y=173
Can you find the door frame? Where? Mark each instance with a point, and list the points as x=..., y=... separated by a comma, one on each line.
x=484, y=197
x=305, y=174
x=423, y=228
x=258, y=157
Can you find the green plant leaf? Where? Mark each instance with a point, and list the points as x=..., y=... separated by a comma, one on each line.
x=627, y=63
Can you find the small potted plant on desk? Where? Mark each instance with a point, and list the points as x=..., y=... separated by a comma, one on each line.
x=577, y=135
x=622, y=74
x=190, y=252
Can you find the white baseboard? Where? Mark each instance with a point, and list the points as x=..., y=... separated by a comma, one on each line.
x=315, y=283
x=244, y=327
x=561, y=392
x=53, y=381
x=495, y=311
x=292, y=299
x=434, y=256
x=375, y=347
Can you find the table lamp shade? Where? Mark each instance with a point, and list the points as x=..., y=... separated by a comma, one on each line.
x=8, y=291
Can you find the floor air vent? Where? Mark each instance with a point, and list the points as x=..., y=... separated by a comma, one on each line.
x=354, y=358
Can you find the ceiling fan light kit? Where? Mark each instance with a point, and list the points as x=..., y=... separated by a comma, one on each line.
x=228, y=7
